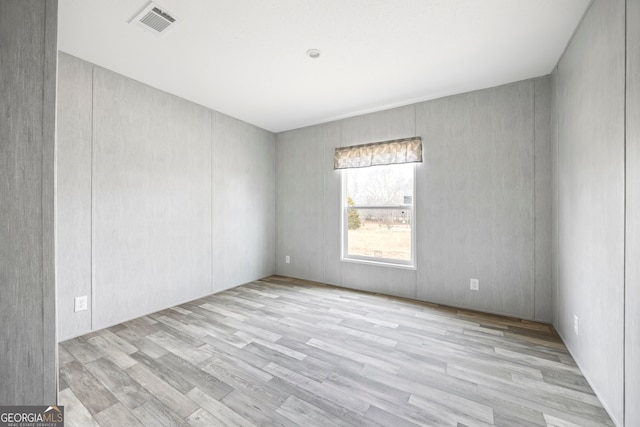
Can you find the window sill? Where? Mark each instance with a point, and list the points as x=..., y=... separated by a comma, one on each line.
x=378, y=263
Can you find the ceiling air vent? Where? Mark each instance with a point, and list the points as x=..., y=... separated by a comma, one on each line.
x=155, y=20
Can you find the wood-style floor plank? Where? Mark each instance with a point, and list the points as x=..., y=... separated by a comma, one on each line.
x=76, y=414
x=287, y=352
x=117, y=416
x=90, y=391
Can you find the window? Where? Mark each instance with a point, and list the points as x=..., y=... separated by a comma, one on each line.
x=378, y=214
x=378, y=189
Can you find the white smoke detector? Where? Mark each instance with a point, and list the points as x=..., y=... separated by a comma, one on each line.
x=155, y=20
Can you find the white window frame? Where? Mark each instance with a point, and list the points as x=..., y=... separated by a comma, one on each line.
x=360, y=259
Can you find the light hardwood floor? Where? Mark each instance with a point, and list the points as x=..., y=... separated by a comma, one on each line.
x=285, y=352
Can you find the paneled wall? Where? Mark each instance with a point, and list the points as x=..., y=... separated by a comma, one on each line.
x=479, y=199
x=151, y=199
x=73, y=193
x=475, y=206
x=590, y=149
x=28, y=346
x=632, y=264
x=244, y=206
x=160, y=200
x=543, y=200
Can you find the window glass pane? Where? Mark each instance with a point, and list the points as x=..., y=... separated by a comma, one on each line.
x=379, y=213
x=379, y=233
x=380, y=185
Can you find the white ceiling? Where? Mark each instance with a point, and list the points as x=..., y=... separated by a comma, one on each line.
x=246, y=58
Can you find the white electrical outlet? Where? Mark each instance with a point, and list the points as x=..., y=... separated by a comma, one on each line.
x=576, y=325
x=287, y=259
x=474, y=284
x=80, y=303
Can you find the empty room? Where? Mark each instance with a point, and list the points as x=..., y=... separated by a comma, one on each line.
x=320, y=213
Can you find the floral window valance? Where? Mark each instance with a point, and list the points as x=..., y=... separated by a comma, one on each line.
x=407, y=150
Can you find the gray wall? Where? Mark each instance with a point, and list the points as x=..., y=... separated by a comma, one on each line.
x=73, y=193
x=151, y=198
x=160, y=201
x=28, y=361
x=243, y=194
x=589, y=85
x=483, y=201
x=632, y=285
